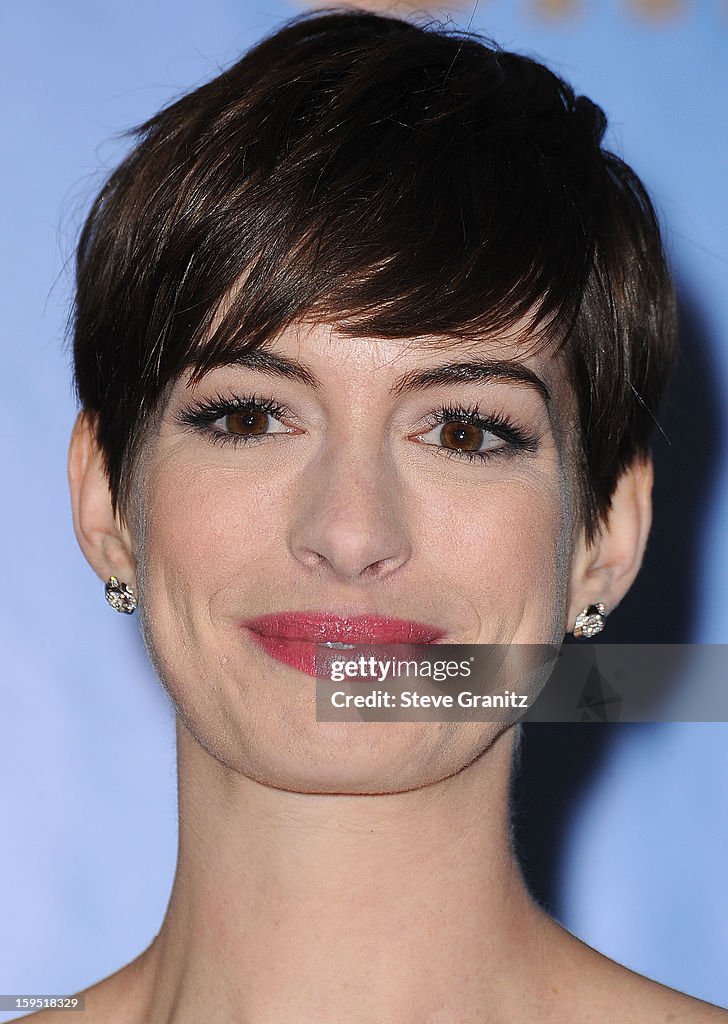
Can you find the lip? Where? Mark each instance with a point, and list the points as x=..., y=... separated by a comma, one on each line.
x=294, y=638
x=319, y=627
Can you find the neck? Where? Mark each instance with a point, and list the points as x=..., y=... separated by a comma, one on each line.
x=407, y=906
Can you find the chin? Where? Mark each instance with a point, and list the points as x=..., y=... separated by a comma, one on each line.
x=370, y=758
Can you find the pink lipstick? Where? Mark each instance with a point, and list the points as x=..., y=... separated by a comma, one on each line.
x=292, y=637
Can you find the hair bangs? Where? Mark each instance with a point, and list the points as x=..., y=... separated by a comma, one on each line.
x=448, y=241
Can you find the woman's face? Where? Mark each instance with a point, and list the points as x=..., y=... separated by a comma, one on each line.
x=362, y=483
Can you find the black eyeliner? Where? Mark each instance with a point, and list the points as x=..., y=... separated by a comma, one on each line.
x=201, y=414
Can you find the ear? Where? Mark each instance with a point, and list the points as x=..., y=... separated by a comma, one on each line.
x=104, y=540
x=605, y=570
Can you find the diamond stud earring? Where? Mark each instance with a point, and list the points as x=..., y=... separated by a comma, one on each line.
x=590, y=621
x=120, y=596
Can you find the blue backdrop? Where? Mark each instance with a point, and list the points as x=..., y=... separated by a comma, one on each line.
x=87, y=787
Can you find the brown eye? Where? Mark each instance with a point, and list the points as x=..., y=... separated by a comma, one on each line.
x=454, y=435
x=250, y=422
x=237, y=420
x=465, y=436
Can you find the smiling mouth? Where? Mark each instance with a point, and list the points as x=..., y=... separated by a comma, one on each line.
x=334, y=630
x=297, y=639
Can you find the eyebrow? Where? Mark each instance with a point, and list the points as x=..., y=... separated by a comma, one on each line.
x=471, y=371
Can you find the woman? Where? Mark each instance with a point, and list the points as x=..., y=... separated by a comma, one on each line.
x=370, y=335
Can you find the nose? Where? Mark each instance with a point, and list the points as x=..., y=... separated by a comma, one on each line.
x=349, y=520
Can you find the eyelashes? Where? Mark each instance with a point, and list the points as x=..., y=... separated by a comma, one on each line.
x=202, y=415
x=499, y=426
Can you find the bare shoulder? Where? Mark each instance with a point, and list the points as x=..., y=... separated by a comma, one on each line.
x=661, y=1003
x=115, y=999
x=648, y=1001
x=608, y=991
x=100, y=1007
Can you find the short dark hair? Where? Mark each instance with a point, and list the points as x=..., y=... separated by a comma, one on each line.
x=395, y=179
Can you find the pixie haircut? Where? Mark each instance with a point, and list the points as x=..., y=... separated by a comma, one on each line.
x=396, y=180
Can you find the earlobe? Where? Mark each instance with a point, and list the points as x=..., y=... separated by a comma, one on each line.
x=605, y=570
x=104, y=541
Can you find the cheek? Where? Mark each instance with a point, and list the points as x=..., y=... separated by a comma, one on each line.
x=204, y=525
x=206, y=546
x=505, y=548
x=209, y=540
